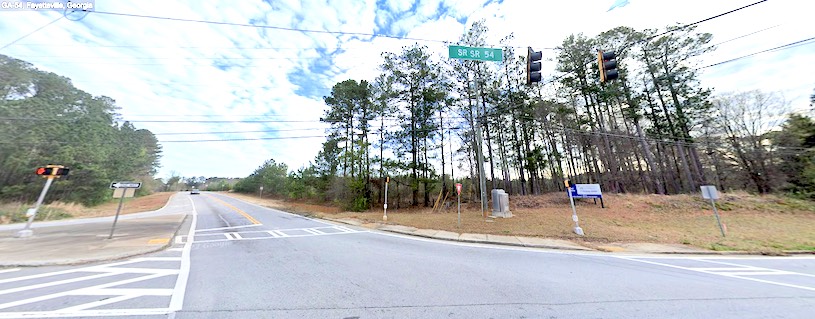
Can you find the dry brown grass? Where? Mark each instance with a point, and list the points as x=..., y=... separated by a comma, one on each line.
x=131, y=205
x=755, y=223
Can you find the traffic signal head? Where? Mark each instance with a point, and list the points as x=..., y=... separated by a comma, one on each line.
x=607, y=63
x=533, y=66
x=52, y=171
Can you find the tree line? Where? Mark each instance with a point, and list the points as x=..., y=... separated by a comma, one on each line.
x=656, y=129
x=44, y=120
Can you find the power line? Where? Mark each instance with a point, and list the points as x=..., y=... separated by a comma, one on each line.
x=700, y=21
x=237, y=132
x=162, y=47
x=165, y=121
x=267, y=26
x=245, y=139
x=746, y=35
x=32, y=32
x=778, y=48
x=289, y=29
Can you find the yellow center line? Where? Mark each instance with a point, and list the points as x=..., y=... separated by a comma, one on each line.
x=244, y=214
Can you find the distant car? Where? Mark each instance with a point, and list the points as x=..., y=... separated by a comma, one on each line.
x=195, y=191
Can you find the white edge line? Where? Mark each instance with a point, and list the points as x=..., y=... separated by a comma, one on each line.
x=756, y=273
x=753, y=268
x=9, y=270
x=161, y=259
x=262, y=238
x=177, y=300
x=719, y=274
x=86, y=313
x=718, y=257
x=222, y=228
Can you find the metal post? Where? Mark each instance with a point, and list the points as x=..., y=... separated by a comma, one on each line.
x=459, y=209
x=482, y=180
x=577, y=229
x=116, y=218
x=26, y=232
x=716, y=213
x=385, y=217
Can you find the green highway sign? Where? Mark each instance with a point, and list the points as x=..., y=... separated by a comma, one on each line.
x=481, y=54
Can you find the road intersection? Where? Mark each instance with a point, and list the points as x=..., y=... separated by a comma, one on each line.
x=233, y=259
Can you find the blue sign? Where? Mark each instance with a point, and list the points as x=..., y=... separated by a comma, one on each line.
x=586, y=191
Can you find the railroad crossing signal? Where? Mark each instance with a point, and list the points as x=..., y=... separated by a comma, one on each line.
x=533, y=66
x=52, y=170
x=607, y=63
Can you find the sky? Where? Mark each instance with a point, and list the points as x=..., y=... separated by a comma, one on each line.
x=162, y=70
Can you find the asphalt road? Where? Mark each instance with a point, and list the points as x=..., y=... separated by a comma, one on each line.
x=239, y=260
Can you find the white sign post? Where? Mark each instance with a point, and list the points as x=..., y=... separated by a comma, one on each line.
x=260, y=195
x=458, y=191
x=125, y=186
x=385, y=216
x=709, y=192
x=577, y=229
x=31, y=212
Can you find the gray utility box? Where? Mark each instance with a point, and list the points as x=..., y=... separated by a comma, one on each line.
x=500, y=204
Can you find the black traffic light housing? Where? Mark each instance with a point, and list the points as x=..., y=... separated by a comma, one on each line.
x=52, y=171
x=607, y=63
x=533, y=66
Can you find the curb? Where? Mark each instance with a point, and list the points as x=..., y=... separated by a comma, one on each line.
x=465, y=241
x=587, y=249
x=101, y=259
x=487, y=242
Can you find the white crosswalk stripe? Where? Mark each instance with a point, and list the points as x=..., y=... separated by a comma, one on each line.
x=274, y=234
x=84, y=281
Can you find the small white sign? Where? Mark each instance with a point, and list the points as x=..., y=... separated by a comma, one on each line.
x=116, y=185
x=588, y=189
x=709, y=192
x=30, y=212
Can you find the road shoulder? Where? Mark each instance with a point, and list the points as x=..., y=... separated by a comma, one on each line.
x=88, y=242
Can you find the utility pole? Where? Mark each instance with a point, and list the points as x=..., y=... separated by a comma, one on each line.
x=482, y=180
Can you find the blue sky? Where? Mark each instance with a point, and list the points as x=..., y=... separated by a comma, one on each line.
x=167, y=70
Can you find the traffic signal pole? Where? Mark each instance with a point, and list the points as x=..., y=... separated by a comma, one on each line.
x=32, y=212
